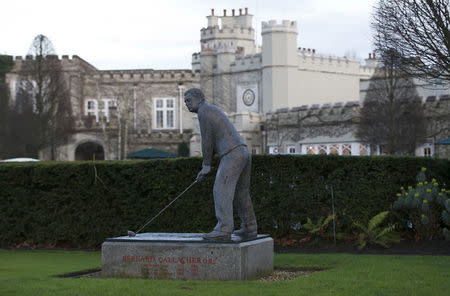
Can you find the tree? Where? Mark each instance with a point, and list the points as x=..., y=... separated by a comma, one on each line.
x=392, y=115
x=116, y=128
x=419, y=30
x=44, y=98
x=6, y=64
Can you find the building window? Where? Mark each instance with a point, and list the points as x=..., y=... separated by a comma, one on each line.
x=322, y=149
x=427, y=151
x=164, y=116
x=311, y=150
x=334, y=149
x=290, y=149
x=91, y=108
x=99, y=108
x=273, y=150
x=363, y=150
x=346, y=149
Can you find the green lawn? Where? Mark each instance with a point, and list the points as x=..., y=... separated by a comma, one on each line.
x=31, y=273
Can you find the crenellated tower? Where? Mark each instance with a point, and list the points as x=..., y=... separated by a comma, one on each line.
x=279, y=64
x=234, y=31
x=222, y=40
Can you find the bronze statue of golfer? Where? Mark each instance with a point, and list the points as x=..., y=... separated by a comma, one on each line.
x=232, y=183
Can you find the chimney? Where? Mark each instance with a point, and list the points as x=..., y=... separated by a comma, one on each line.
x=232, y=12
x=246, y=10
x=212, y=11
x=240, y=11
x=224, y=12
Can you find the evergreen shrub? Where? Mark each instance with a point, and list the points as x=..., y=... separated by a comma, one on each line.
x=79, y=204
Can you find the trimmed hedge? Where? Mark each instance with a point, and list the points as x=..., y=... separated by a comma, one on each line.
x=80, y=204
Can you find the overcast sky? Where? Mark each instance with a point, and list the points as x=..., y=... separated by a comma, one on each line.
x=163, y=34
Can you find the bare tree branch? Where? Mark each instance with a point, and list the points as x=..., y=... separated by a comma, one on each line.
x=392, y=115
x=419, y=30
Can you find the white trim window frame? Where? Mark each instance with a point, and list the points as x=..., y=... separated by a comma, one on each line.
x=91, y=108
x=164, y=115
x=290, y=149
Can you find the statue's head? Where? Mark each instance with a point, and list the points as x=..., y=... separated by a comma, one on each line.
x=193, y=98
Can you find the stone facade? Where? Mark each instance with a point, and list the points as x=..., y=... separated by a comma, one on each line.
x=276, y=95
x=116, y=109
x=331, y=129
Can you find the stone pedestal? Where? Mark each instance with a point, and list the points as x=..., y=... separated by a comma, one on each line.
x=186, y=256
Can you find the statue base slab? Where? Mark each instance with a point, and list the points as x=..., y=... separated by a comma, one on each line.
x=186, y=256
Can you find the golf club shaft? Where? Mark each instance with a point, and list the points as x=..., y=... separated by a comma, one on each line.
x=160, y=212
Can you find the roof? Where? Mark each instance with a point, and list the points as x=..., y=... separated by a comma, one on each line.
x=150, y=153
x=443, y=142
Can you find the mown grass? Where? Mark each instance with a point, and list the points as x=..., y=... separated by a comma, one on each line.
x=32, y=273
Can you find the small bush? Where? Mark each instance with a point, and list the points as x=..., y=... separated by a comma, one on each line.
x=423, y=206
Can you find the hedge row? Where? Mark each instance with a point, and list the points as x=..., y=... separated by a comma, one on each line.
x=80, y=204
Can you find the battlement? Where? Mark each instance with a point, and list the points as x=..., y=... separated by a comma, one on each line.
x=312, y=54
x=428, y=102
x=243, y=20
x=63, y=57
x=310, y=60
x=331, y=108
x=306, y=51
x=286, y=26
x=248, y=62
x=66, y=61
x=145, y=75
x=315, y=114
x=317, y=107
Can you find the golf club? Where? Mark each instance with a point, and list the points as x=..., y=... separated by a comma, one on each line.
x=132, y=233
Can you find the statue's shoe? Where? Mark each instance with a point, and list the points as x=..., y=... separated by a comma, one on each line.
x=245, y=233
x=217, y=236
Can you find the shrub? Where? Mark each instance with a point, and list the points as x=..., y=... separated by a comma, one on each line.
x=423, y=205
x=82, y=203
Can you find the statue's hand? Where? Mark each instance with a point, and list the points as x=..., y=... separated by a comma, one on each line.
x=202, y=174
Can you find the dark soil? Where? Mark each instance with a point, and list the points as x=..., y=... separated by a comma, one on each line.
x=81, y=273
x=434, y=247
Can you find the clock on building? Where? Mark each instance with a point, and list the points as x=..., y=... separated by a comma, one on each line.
x=248, y=97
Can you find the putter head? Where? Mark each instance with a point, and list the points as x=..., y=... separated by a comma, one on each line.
x=131, y=233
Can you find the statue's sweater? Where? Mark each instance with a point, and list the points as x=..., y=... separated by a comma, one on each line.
x=218, y=133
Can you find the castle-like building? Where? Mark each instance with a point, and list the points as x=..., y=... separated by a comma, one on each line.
x=264, y=90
